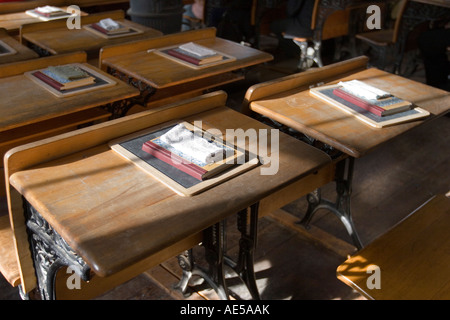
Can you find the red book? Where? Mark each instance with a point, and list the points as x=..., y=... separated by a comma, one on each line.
x=174, y=160
x=184, y=57
x=359, y=102
x=98, y=28
x=51, y=82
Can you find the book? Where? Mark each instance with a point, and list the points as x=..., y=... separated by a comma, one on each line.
x=326, y=94
x=163, y=154
x=99, y=28
x=50, y=11
x=198, y=167
x=110, y=27
x=381, y=107
x=183, y=55
x=67, y=72
x=64, y=77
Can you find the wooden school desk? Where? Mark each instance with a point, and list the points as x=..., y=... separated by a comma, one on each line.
x=54, y=37
x=13, y=21
x=116, y=220
x=161, y=79
x=30, y=112
x=288, y=101
x=12, y=50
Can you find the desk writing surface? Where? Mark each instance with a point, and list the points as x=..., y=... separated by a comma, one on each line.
x=330, y=125
x=161, y=72
x=114, y=215
x=62, y=39
x=27, y=102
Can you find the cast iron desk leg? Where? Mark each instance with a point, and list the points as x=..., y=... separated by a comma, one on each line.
x=341, y=208
x=50, y=253
x=214, y=244
x=244, y=267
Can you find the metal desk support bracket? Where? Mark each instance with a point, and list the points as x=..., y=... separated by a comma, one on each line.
x=341, y=208
x=214, y=244
x=343, y=179
x=50, y=253
x=244, y=266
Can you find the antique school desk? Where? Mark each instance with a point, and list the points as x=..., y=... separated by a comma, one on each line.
x=162, y=79
x=13, y=21
x=12, y=50
x=31, y=112
x=288, y=102
x=110, y=220
x=54, y=37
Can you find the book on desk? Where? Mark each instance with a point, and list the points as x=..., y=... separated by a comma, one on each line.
x=70, y=79
x=65, y=77
x=369, y=104
x=192, y=153
x=47, y=13
x=194, y=55
x=176, y=168
x=109, y=28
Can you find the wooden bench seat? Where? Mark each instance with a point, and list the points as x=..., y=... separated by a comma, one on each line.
x=8, y=261
x=413, y=258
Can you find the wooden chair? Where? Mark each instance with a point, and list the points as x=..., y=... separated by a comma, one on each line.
x=408, y=262
x=335, y=25
x=386, y=42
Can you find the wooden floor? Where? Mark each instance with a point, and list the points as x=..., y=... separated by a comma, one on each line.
x=292, y=263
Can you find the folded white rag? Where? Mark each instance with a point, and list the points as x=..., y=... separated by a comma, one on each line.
x=193, y=146
x=109, y=24
x=48, y=9
x=197, y=50
x=363, y=90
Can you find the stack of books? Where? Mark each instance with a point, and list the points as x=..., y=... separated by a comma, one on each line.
x=65, y=77
x=371, y=99
x=195, y=54
x=110, y=27
x=50, y=11
x=190, y=153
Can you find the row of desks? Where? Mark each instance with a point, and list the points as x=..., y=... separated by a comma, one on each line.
x=108, y=220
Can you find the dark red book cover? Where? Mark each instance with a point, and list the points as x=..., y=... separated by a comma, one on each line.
x=51, y=82
x=184, y=57
x=377, y=110
x=173, y=159
x=99, y=28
